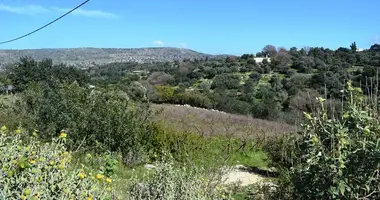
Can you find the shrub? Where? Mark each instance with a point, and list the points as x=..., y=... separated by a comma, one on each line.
x=34, y=170
x=337, y=158
x=27, y=70
x=279, y=150
x=165, y=94
x=226, y=81
x=194, y=98
x=96, y=119
x=171, y=183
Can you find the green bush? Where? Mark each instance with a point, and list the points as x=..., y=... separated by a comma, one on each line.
x=337, y=158
x=34, y=170
x=98, y=120
x=28, y=71
x=226, y=81
x=195, y=99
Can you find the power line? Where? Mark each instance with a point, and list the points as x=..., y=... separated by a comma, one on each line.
x=12, y=40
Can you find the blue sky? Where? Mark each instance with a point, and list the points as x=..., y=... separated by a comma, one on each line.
x=210, y=26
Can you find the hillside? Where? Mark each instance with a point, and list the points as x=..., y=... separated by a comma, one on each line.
x=210, y=122
x=86, y=56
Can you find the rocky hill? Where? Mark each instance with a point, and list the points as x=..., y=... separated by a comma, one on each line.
x=86, y=56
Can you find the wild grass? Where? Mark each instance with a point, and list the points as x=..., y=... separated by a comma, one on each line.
x=213, y=123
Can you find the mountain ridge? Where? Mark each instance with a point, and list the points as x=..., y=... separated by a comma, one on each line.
x=92, y=55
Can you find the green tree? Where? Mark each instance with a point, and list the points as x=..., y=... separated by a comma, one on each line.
x=353, y=47
x=269, y=50
x=226, y=81
x=28, y=71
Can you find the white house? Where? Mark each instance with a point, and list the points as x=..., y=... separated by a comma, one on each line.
x=260, y=59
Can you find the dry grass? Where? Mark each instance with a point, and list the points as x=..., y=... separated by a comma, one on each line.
x=212, y=123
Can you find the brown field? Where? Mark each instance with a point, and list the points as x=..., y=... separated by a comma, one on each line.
x=212, y=123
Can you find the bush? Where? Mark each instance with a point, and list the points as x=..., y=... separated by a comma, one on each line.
x=171, y=183
x=97, y=120
x=279, y=150
x=27, y=71
x=194, y=98
x=226, y=81
x=337, y=158
x=34, y=170
x=165, y=94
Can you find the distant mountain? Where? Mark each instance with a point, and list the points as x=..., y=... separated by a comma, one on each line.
x=86, y=56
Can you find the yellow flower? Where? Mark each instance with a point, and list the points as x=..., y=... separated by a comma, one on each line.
x=89, y=198
x=61, y=166
x=307, y=115
x=346, y=115
x=320, y=99
x=18, y=131
x=35, y=133
x=99, y=176
x=52, y=163
x=63, y=135
x=81, y=175
x=3, y=128
x=315, y=140
x=27, y=192
x=367, y=131
x=108, y=180
x=32, y=162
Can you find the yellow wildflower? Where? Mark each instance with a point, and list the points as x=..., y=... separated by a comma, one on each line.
x=108, y=180
x=61, y=166
x=32, y=162
x=52, y=163
x=63, y=135
x=320, y=99
x=307, y=115
x=3, y=128
x=27, y=192
x=35, y=133
x=315, y=140
x=367, y=131
x=81, y=175
x=18, y=131
x=89, y=198
x=99, y=176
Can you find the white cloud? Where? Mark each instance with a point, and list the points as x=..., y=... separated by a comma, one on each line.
x=37, y=9
x=24, y=10
x=88, y=13
x=159, y=43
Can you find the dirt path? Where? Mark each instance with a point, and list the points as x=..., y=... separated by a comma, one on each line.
x=242, y=176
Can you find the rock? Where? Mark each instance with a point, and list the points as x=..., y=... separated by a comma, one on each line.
x=149, y=166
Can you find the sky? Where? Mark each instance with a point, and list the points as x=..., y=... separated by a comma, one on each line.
x=209, y=26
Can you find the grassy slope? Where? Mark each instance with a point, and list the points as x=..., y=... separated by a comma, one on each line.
x=213, y=123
